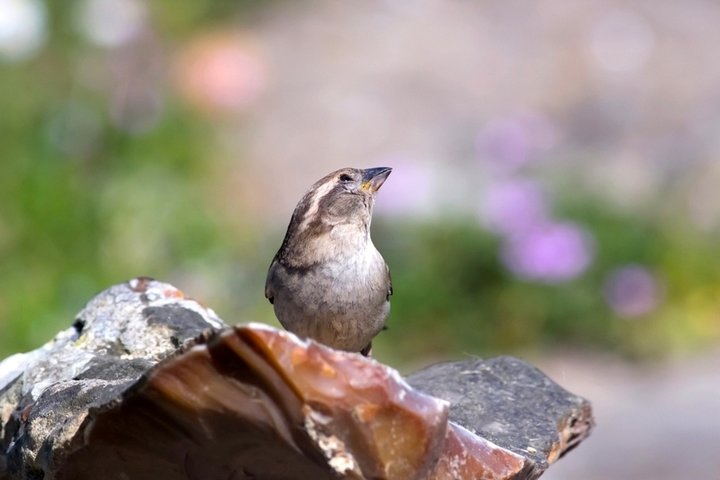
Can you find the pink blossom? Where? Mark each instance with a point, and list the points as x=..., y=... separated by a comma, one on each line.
x=552, y=253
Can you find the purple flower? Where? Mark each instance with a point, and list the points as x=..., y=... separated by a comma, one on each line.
x=505, y=141
x=512, y=207
x=409, y=190
x=632, y=291
x=511, y=142
x=551, y=253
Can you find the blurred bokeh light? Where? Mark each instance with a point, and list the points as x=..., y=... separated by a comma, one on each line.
x=22, y=29
x=556, y=164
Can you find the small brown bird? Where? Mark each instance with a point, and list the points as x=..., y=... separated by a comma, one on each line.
x=328, y=281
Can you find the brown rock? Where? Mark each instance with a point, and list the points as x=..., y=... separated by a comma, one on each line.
x=109, y=399
x=254, y=402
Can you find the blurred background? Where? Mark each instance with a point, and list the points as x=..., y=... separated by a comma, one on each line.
x=555, y=192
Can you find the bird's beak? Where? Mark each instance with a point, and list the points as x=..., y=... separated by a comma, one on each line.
x=373, y=178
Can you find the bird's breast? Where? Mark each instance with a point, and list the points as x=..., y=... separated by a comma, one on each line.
x=341, y=301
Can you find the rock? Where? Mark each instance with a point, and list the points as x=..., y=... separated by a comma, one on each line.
x=513, y=406
x=254, y=402
x=45, y=395
x=149, y=384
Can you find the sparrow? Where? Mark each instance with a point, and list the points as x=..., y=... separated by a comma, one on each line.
x=327, y=281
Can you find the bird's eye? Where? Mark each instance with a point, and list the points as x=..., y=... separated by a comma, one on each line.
x=345, y=178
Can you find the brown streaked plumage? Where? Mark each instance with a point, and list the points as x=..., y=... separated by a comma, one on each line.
x=328, y=281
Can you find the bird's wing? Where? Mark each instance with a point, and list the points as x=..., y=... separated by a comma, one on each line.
x=269, y=293
x=389, y=279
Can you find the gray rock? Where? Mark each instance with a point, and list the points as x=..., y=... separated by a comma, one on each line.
x=149, y=384
x=512, y=404
x=45, y=394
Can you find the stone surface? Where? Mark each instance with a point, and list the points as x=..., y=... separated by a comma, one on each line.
x=511, y=404
x=45, y=394
x=148, y=384
x=254, y=402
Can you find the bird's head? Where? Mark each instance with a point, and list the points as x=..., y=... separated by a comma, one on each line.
x=342, y=203
x=344, y=196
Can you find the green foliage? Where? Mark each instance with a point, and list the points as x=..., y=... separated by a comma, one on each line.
x=453, y=295
x=86, y=203
x=70, y=226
